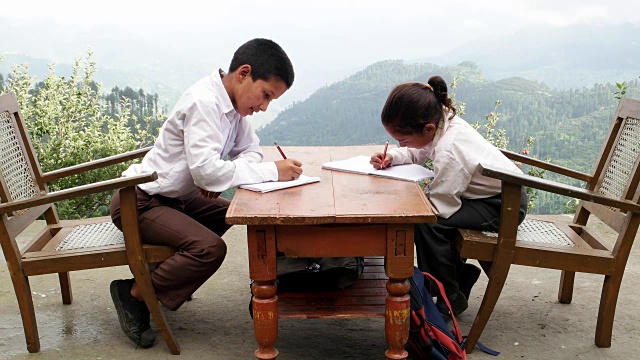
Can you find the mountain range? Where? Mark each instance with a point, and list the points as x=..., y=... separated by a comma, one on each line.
x=568, y=57
x=560, y=57
x=568, y=125
x=555, y=84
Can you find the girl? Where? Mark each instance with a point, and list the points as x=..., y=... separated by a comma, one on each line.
x=422, y=119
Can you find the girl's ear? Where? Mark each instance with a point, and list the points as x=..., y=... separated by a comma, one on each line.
x=429, y=129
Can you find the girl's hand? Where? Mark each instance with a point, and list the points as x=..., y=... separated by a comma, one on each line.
x=289, y=169
x=376, y=161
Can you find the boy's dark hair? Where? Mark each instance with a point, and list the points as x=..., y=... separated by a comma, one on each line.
x=267, y=60
x=411, y=106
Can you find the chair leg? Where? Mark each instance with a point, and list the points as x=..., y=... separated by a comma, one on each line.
x=608, y=302
x=143, y=279
x=486, y=266
x=65, y=288
x=565, y=291
x=139, y=267
x=498, y=277
x=27, y=312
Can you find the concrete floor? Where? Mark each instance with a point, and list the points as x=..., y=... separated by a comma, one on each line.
x=528, y=322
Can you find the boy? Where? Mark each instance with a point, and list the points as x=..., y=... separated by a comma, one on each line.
x=207, y=124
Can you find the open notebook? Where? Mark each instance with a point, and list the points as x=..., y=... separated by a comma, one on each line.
x=277, y=185
x=360, y=165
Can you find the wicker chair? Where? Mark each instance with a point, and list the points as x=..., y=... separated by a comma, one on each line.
x=64, y=246
x=611, y=194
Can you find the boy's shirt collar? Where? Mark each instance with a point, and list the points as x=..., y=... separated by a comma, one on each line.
x=225, y=100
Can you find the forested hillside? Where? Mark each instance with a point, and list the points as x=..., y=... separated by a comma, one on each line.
x=108, y=76
x=569, y=125
x=148, y=113
x=140, y=103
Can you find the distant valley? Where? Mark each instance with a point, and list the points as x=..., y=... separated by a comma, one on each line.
x=555, y=84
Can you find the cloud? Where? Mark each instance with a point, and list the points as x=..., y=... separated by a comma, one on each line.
x=569, y=12
x=334, y=37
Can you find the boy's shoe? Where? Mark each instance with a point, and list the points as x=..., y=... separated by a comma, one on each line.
x=133, y=314
x=468, y=278
x=458, y=306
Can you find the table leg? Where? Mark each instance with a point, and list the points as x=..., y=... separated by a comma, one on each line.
x=262, y=269
x=265, y=318
x=398, y=267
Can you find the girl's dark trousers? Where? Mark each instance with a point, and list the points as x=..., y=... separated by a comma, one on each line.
x=435, y=242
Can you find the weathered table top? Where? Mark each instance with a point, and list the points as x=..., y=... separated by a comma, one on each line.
x=338, y=198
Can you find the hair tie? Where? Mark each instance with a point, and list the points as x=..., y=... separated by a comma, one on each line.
x=429, y=86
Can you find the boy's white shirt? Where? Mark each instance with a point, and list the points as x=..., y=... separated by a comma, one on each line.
x=456, y=150
x=200, y=131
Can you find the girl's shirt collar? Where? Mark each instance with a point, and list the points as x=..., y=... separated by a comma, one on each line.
x=442, y=128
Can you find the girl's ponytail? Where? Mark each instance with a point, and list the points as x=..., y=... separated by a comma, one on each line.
x=439, y=87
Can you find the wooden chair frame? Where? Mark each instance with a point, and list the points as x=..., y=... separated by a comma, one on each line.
x=589, y=254
x=39, y=255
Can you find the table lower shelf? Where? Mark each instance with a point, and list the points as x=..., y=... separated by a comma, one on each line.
x=365, y=298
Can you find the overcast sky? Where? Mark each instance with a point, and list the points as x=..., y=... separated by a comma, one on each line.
x=335, y=37
x=350, y=25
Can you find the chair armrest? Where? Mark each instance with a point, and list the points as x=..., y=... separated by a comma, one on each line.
x=547, y=166
x=556, y=187
x=77, y=191
x=96, y=164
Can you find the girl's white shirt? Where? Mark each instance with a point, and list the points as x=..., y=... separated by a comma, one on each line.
x=456, y=150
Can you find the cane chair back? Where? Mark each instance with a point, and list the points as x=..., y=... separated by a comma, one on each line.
x=64, y=246
x=611, y=194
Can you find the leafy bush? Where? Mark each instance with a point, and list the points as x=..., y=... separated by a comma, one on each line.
x=499, y=138
x=68, y=125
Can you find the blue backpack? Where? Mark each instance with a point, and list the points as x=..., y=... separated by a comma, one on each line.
x=429, y=334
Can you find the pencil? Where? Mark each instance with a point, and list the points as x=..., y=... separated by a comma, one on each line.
x=384, y=153
x=278, y=147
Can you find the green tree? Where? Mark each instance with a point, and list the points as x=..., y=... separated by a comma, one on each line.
x=68, y=125
x=498, y=138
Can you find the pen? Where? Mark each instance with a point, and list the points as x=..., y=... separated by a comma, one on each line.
x=384, y=153
x=278, y=147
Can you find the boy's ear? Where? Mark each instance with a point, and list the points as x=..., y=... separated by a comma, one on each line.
x=243, y=72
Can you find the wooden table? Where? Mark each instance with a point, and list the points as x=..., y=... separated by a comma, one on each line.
x=342, y=215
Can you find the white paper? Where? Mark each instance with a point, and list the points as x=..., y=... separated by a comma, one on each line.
x=360, y=165
x=277, y=185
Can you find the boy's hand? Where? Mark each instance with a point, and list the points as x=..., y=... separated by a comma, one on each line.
x=208, y=194
x=376, y=161
x=289, y=169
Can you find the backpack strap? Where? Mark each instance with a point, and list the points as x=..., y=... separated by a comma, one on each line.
x=444, y=296
x=485, y=349
x=461, y=339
